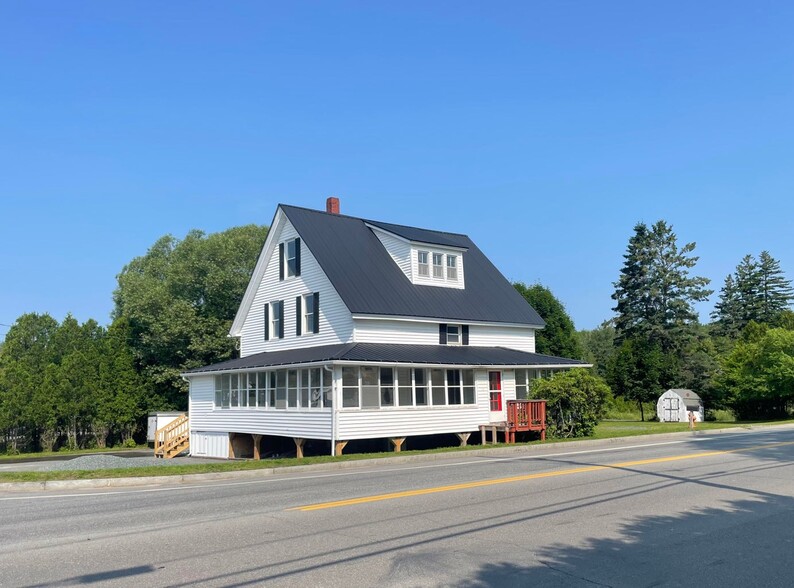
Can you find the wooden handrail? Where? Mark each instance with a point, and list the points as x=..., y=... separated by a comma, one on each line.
x=167, y=438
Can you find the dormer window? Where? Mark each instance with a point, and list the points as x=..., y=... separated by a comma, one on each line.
x=438, y=265
x=452, y=267
x=424, y=267
x=290, y=258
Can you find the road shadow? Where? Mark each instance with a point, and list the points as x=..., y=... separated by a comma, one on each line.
x=746, y=542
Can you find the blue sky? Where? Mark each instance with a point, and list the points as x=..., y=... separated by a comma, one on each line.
x=544, y=131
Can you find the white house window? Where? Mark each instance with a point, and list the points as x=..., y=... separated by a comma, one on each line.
x=292, y=258
x=453, y=335
x=424, y=267
x=289, y=259
x=275, y=328
x=308, y=318
x=452, y=267
x=438, y=265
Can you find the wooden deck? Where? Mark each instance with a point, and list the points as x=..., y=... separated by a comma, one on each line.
x=522, y=415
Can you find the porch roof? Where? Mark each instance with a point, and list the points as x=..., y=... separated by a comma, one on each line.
x=464, y=355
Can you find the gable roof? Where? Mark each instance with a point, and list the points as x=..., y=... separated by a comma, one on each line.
x=393, y=353
x=370, y=283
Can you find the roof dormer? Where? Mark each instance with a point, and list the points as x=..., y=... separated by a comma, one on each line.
x=425, y=264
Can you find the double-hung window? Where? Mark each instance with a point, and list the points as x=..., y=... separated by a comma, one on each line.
x=289, y=258
x=424, y=266
x=274, y=320
x=438, y=265
x=452, y=268
x=307, y=319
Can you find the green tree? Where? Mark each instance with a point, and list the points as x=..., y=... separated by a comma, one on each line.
x=179, y=301
x=124, y=397
x=27, y=351
x=655, y=293
x=598, y=346
x=574, y=402
x=558, y=338
x=757, y=377
x=640, y=371
x=756, y=291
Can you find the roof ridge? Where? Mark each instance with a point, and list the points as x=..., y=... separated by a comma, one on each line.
x=372, y=221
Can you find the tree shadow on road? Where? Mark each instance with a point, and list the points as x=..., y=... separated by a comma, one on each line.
x=746, y=542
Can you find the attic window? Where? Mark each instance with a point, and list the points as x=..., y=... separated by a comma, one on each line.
x=438, y=265
x=290, y=258
x=452, y=267
x=424, y=267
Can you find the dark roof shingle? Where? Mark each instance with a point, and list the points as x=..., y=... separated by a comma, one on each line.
x=369, y=282
x=392, y=353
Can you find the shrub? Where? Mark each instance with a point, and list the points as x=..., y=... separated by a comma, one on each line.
x=574, y=402
x=130, y=443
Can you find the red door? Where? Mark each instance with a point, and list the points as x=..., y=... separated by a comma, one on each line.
x=495, y=387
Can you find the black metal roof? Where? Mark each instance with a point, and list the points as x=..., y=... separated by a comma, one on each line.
x=463, y=355
x=369, y=282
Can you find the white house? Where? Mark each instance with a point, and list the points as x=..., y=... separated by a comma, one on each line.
x=675, y=405
x=358, y=329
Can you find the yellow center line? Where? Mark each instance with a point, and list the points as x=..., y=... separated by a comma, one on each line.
x=525, y=477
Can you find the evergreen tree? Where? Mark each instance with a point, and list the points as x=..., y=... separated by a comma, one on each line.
x=756, y=291
x=655, y=292
x=776, y=292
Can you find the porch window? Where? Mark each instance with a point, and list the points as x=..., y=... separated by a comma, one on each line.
x=370, y=394
x=235, y=389
x=468, y=387
x=454, y=395
x=386, y=386
x=281, y=389
x=437, y=387
x=292, y=388
x=315, y=387
x=304, y=389
x=405, y=390
x=420, y=379
x=349, y=387
x=261, y=389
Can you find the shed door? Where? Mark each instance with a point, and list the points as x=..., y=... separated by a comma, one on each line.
x=671, y=410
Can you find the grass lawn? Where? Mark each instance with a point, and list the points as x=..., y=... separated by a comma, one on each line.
x=605, y=430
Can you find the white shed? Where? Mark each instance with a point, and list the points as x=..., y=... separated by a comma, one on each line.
x=674, y=406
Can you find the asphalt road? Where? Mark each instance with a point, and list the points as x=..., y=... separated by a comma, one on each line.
x=715, y=510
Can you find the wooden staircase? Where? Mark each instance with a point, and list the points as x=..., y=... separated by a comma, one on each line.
x=172, y=439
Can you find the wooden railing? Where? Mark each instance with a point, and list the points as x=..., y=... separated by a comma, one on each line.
x=172, y=439
x=526, y=415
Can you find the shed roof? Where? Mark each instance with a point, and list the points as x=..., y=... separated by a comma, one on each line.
x=370, y=283
x=690, y=398
x=393, y=353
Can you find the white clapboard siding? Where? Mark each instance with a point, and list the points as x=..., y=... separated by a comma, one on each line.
x=336, y=323
x=405, y=422
x=387, y=331
x=426, y=333
x=311, y=424
x=399, y=249
x=521, y=338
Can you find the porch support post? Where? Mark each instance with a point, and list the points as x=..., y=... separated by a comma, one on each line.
x=482, y=435
x=257, y=439
x=398, y=443
x=299, y=447
x=340, y=447
x=231, y=446
x=463, y=438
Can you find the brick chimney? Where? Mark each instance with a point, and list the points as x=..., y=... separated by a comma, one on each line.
x=332, y=205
